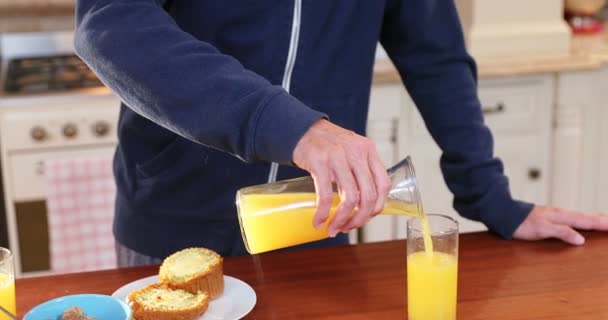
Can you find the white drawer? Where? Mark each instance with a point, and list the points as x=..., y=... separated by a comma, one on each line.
x=511, y=106
x=519, y=106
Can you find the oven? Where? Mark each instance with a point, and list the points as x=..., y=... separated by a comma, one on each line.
x=51, y=107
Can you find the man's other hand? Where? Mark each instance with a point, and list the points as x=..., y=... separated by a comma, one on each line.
x=548, y=222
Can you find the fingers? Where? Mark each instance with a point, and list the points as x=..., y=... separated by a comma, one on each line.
x=349, y=194
x=569, y=218
x=323, y=187
x=566, y=234
x=580, y=220
x=333, y=154
x=367, y=195
x=600, y=222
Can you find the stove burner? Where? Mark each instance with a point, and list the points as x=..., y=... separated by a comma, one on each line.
x=48, y=74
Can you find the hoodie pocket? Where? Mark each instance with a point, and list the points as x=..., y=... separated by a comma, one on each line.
x=162, y=162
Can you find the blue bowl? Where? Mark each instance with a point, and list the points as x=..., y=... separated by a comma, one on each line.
x=98, y=306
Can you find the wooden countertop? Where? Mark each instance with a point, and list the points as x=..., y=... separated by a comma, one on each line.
x=499, y=280
x=36, y=7
x=586, y=53
x=36, y=15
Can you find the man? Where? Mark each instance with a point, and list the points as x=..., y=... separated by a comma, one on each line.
x=204, y=115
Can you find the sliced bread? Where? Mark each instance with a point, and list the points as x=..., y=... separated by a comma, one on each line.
x=160, y=302
x=194, y=270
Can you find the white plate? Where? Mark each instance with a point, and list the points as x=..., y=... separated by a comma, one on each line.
x=237, y=300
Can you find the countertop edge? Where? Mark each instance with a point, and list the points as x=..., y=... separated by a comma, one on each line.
x=587, y=53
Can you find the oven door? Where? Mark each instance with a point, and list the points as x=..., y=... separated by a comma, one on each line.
x=26, y=194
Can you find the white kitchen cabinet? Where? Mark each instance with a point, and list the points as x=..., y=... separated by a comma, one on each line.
x=581, y=160
x=523, y=131
x=601, y=189
x=600, y=145
x=384, y=120
x=519, y=112
x=580, y=139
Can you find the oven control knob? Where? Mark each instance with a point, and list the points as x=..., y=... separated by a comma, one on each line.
x=70, y=130
x=38, y=133
x=101, y=128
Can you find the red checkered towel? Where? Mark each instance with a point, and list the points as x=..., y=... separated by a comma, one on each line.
x=80, y=207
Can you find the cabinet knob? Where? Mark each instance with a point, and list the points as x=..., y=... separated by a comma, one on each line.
x=70, y=130
x=38, y=133
x=498, y=108
x=101, y=128
x=534, y=174
x=394, y=130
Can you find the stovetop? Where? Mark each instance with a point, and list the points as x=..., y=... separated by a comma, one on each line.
x=39, y=63
x=36, y=75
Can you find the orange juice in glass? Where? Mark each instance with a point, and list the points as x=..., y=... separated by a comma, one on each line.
x=280, y=214
x=432, y=277
x=7, y=283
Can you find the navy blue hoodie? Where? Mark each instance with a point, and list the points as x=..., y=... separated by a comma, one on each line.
x=213, y=91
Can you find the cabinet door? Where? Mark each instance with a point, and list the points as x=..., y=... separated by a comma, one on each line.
x=384, y=117
x=518, y=111
x=580, y=174
x=528, y=176
x=436, y=196
x=381, y=227
x=600, y=188
x=601, y=191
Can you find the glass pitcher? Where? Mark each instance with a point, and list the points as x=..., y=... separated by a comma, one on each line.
x=280, y=214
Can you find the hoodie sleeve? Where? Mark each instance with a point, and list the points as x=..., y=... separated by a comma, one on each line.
x=186, y=85
x=424, y=40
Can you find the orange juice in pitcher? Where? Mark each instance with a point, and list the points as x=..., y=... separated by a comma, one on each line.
x=280, y=214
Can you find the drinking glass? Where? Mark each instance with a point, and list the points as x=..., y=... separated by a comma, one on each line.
x=432, y=269
x=7, y=283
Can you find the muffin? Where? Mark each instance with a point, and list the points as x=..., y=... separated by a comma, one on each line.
x=194, y=270
x=160, y=302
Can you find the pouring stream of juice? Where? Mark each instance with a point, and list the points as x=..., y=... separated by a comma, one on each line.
x=272, y=221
